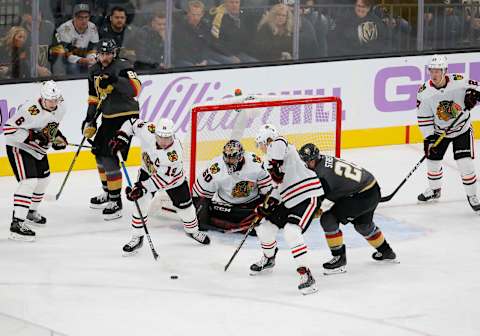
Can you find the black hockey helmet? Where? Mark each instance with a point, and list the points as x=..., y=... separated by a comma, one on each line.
x=107, y=45
x=233, y=155
x=309, y=152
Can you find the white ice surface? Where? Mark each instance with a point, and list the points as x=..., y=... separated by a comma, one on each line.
x=74, y=280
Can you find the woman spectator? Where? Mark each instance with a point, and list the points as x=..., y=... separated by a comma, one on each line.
x=273, y=40
x=14, y=56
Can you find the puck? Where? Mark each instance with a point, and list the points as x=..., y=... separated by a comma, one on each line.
x=173, y=276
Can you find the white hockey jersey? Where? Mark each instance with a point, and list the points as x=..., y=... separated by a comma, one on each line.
x=165, y=166
x=299, y=182
x=73, y=44
x=239, y=187
x=435, y=106
x=32, y=116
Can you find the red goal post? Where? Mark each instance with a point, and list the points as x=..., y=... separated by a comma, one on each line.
x=300, y=120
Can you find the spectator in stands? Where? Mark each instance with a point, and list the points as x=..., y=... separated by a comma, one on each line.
x=151, y=54
x=234, y=29
x=75, y=42
x=442, y=27
x=472, y=22
x=274, y=39
x=192, y=42
x=45, y=30
x=15, y=57
x=125, y=35
x=320, y=23
x=359, y=32
x=398, y=30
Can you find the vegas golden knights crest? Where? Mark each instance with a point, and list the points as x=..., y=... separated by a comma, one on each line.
x=448, y=109
x=367, y=32
x=33, y=110
x=149, y=163
x=242, y=189
x=151, y=128
x=50, y=131
x=101, y=92
x=214, y=168
x=172, y=156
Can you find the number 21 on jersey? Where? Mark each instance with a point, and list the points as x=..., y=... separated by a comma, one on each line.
x=348, y=171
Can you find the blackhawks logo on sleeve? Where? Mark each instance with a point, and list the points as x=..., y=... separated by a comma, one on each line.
x=214, y=168
x=151, y=128
x=242, y=189
x=448, y=109
x=148, y=163
x=33, y=110
x=172, y=156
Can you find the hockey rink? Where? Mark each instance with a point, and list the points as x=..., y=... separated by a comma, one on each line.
x=74, y=281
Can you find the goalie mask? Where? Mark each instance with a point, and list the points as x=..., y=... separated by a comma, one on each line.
x=233, y=155
x=309, y=152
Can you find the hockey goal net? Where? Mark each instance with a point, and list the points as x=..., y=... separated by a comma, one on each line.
x=301, y=120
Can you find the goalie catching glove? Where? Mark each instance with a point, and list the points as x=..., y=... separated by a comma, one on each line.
x=136, y=192
x=471, y=98
x=60, y=142
x=119, y=142
x=267, y=208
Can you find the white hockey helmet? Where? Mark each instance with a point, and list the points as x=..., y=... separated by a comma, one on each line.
x=50, y=91
x=267, y=131
x=438, y=62
x=164, y=128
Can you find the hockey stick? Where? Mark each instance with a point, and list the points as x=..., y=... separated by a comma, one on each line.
x=97, y=113
x=410, y=173
x=125, y=172
x=78, y=145
x=254, y=223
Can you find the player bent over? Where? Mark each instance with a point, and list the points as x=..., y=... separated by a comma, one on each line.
x=230, y=189
x=162, y=168
x=292, y=207
x=356, y=194
x=439, y=102
x=28, y=136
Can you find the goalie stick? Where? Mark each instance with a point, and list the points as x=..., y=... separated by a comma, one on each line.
x=410, y=173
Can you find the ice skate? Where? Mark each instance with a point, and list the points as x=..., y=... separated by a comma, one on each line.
x=307, y=282
x=337, y=265
x=35, y=218
x=100, y=201
x=387, y=256
x=265, y=265
x=429, y=195
x=133, y=246
x=20, y=231
x=474, y=203
x=113, y=210
x=199, y=236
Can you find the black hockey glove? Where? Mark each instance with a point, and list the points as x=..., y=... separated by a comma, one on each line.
x=471, y=98
x=119, y=142
x=274, y=170
x=428, y=143
x=106, y=80
x=60, y=142
x=136, y=192
x=265, y=210
x=37, y=137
